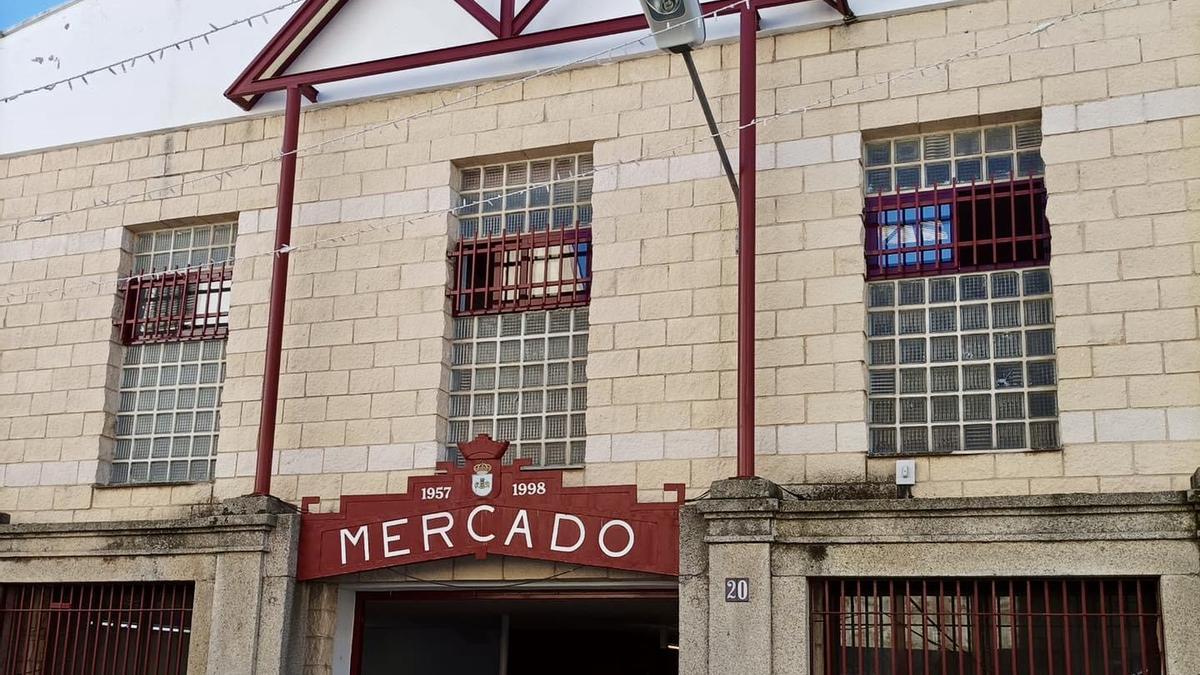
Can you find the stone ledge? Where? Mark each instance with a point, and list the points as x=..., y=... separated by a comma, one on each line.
x=239, y=524
x=745, y=488
x=1121, y=500
x=1147, y=516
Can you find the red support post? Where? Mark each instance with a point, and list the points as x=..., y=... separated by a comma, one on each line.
x=279, y=275
x=747, y=154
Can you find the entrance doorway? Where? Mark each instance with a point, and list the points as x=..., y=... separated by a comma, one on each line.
x=517, y=633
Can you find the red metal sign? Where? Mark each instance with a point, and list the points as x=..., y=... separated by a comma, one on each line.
x=486, y=508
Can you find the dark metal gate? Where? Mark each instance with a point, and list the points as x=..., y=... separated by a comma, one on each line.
x=986, y=626
x=95, y=629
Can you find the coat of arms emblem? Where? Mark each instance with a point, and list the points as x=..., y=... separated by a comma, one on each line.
x=481, y=482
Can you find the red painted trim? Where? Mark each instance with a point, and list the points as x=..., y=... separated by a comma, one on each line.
x=747, y=155
x=279, y=275
x=528, y=14
x=249, y=85
x=501, y=594
x=481, y=15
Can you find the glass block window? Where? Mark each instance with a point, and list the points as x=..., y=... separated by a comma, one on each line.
x=176, y=248
x=522, y=378
x=930, y=160
x=524, y=236
x=526, y=196
x=168, y=414
x=962, y=363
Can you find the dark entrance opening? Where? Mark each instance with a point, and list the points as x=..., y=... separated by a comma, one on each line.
x=517, y=633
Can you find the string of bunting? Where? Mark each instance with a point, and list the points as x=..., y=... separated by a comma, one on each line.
x=153, y=56
x=665, y=153
x=395, y=123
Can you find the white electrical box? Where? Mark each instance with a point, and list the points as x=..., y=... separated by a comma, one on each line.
x=906, y=472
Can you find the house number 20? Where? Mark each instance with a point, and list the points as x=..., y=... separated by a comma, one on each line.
x=737, y=589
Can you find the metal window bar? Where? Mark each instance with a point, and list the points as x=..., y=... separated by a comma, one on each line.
x=99, y=629
x=993, y=626
x=961, y=227
x=497, y=272
x=177, y=305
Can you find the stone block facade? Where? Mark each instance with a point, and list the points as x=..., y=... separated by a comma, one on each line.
x=364, y=381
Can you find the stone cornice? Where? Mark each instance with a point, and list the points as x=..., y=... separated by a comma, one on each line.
x=1055, y=518
x=242, y=525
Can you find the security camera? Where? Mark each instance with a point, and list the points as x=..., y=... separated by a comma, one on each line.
x=677, y=24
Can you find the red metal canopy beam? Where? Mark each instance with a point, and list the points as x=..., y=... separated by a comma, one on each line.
x=289, y=33
x=508, y=11
x=526, y=15
x=248, y=87
x=481, y=15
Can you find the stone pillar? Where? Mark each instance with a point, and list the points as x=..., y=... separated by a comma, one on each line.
x=739, y=533
x=278, y=598
x=1180, y=595
x=789, y=609
x=252, y=597
x=237, y=599
x=693, y=593
x=739, y=633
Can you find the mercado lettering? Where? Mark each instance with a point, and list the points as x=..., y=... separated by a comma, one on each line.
x=568, y=533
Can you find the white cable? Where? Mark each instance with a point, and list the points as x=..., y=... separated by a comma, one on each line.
x=128, y=62
x=668, y=152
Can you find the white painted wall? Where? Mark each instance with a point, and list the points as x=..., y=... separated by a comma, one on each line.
x=185, y=87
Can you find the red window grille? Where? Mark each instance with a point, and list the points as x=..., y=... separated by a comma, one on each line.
x=499, y=272
x=968, y=227
x=986, y=626
x=177, y=305
x=100, y=629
